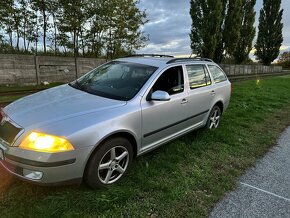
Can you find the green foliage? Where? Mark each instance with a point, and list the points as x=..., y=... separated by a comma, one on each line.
x=231, y=33
x=85, y=27
x=216, y=28
x=284, y=59
x=270, y=36
x=206, y=19
x=247, y=34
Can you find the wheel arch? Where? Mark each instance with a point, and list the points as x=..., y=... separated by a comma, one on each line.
x=125, y=134
x=220, y=104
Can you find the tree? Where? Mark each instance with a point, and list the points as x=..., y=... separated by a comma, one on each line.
x=6, y=18
x=231, y=33
x=284, y=59
x=72, y=20
x=270, y=36
x=54, y=10
x=229, y=27
x=124, y=22
x=41, y=6
x=206, y=20
x=248, y=32
x=215, y=28
x=90, y=27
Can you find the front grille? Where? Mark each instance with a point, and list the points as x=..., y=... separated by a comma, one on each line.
x=8, y=131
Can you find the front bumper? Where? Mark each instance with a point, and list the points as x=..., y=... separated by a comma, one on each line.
x=45, y=168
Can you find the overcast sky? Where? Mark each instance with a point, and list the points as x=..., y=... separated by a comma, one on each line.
x=170, y=24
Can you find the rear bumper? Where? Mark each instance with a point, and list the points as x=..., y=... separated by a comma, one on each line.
x=47, y=169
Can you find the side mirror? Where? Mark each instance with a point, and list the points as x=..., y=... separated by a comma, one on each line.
x=160, y=96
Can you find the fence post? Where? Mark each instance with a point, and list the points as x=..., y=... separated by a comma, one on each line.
x=36, y=69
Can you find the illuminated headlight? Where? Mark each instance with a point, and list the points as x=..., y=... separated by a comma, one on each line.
x=45, y=143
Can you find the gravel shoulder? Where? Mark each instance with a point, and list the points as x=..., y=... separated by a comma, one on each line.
x=264, y=191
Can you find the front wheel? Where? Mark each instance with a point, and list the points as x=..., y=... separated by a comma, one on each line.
x=109, y=163
x=214, y=118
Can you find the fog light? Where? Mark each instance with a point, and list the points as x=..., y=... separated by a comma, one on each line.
x=35, y=175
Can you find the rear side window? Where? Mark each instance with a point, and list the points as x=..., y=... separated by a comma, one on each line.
x=217, y=74
x=198, y=76
x=171, y=81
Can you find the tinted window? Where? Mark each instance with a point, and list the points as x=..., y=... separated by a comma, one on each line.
x=217, y=74
x=117, y=80
x=198, y=76
x=170, y=81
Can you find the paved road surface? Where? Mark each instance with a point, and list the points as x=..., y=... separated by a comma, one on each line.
x=263, y=191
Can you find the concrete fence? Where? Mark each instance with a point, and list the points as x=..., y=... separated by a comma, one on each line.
x=235, y=70
x=29, y=69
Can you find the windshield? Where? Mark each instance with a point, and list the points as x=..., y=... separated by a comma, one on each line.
x=117, y=80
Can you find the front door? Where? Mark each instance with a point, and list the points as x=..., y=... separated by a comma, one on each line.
x=162, y=120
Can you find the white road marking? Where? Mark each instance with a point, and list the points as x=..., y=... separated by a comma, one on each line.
x=270, y=193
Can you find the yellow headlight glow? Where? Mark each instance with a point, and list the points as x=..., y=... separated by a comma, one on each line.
x=45, y=143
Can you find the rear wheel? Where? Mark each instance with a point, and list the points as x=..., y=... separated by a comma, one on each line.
x=109, y=163
x=214, y=118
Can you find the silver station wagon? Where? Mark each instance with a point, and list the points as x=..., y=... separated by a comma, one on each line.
x=92, y=128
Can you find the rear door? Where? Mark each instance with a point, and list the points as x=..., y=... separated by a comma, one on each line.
x=200, y=94
x=222, y=86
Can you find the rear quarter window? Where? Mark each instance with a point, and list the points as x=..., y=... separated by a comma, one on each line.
x=217, y=74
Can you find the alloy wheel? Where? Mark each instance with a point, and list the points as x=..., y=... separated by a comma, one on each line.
x=113, y=165
x=215, y=119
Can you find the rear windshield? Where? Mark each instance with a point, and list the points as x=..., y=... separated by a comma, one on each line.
x=116, y=80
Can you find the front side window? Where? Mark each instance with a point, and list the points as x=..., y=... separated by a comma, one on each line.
x=198, y=76
x=117, y=80
x=217, y=74
x=171, y=81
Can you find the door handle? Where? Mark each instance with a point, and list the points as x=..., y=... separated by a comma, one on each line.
x=184, y=101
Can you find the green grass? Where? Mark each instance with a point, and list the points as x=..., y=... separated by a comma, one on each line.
x=184, y=178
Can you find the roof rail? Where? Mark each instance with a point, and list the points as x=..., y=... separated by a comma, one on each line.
x=150, y=55
x=176, y=60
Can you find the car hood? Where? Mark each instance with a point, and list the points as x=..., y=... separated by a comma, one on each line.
x=55, y=104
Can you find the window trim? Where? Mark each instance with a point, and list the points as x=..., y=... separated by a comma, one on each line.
x=148, y=91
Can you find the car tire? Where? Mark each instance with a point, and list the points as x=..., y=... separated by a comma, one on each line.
x=214, y=118
x=109, y=163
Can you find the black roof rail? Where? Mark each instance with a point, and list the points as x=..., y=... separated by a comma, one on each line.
x=175, y=60
x=150, y=55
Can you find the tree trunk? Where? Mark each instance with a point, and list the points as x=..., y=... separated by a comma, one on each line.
x=17, y=40
x=11, y=41
x=44, y=25
x=55, y=33
x=24, y=37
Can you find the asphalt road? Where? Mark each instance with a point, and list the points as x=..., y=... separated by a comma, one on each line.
x=264, y=191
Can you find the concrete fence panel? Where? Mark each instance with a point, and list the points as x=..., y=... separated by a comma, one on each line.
x=30, y=69
x=236, y=70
